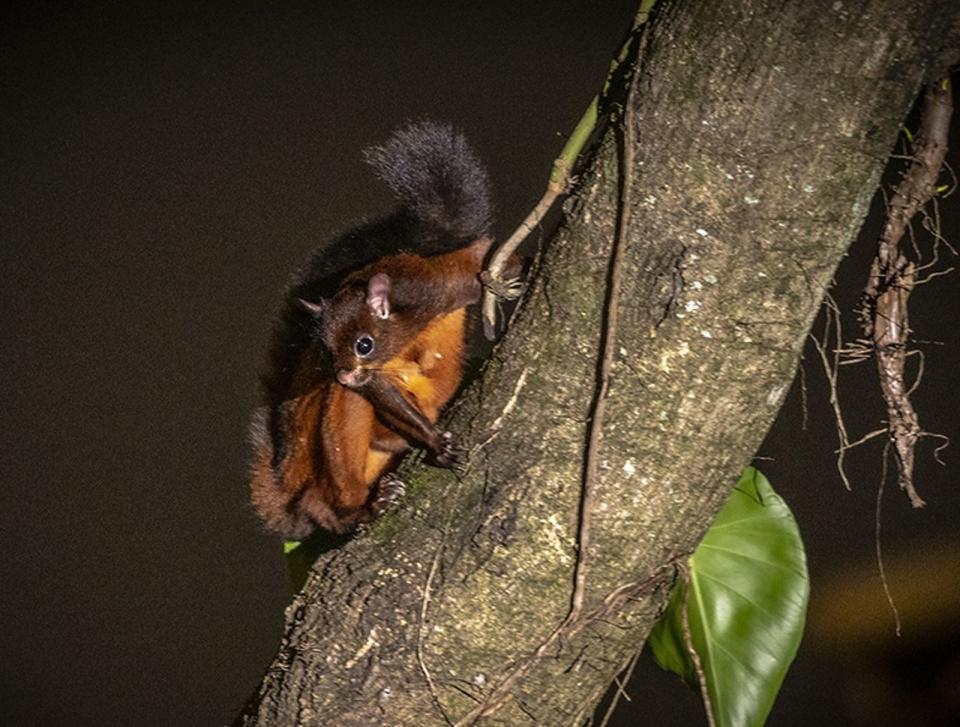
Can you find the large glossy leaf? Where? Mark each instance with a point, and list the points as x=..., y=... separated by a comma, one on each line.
x=746, y=601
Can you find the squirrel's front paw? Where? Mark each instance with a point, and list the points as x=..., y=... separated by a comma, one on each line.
x=502, y=288
x=448, y=454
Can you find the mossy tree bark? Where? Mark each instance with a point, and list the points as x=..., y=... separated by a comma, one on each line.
x=762, y=128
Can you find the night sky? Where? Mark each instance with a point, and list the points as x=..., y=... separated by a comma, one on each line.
x=163, y=170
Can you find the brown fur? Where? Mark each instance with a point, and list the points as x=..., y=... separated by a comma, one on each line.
x=335, y=443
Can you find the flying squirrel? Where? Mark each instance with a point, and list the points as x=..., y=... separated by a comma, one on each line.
x=369, y=343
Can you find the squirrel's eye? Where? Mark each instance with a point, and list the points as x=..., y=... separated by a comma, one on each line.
x=363, y=345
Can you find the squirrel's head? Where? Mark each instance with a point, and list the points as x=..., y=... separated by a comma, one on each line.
x=359, y=326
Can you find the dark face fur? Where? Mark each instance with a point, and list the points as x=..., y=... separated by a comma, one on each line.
x=359, y=326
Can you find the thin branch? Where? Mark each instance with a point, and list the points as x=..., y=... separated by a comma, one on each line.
x=621, y=692
x=864, y=439
x=558, y=184
x=832, y=317
x=492, y=276
x=935, y=274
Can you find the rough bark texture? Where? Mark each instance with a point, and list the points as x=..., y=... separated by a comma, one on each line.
x=762, y=129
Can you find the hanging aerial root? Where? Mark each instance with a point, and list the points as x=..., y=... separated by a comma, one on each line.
x=893, y=277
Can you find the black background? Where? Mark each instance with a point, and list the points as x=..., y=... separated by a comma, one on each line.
x=163, y=170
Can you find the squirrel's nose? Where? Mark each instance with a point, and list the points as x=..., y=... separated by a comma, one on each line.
x=350, y=377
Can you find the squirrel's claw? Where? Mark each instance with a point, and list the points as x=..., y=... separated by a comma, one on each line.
x=449, y=454
x=503, y=289
x=390, y=488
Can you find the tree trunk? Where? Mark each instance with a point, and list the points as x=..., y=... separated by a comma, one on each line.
x=762, y=128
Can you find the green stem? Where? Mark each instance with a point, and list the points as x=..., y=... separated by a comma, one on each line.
x=560, y=174
x=588, y=122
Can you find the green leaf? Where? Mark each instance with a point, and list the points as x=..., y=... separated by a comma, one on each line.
x=301, y=554
x=746, y=604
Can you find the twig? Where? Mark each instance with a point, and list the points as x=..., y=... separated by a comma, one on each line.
x=919, y=377
x=891, y=330
x=559, y=181
x=864, y=439
x=832, y=317
x=621, y=692
x=558, y=184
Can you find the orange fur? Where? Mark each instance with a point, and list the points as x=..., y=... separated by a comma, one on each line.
x=338, y=448
x=428, y=370
x=368, y=346
x=335, y=443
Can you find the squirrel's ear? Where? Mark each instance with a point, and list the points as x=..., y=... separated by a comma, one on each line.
x=378, y=295
x=315, y=309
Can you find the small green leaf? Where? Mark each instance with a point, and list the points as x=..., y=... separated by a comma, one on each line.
x=301, y=554
x=746, y=605
x=907, y=133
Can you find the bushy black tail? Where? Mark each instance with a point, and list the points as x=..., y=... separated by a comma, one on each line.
x=438, y=178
